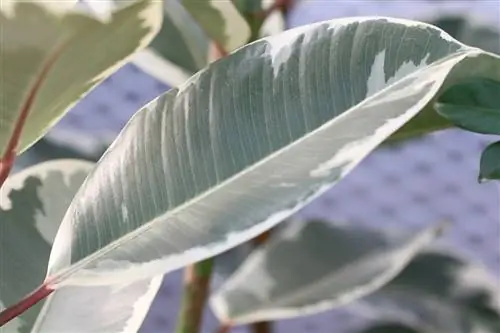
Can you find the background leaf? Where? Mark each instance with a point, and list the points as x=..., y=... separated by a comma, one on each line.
x=440, y=292
x=33, y=203
x=249, y=140
x=221, y=21
x=33, y=32
x=470, y=32
x=311, y=267
x=181, y=46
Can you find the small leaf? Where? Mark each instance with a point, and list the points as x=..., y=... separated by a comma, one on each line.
x=33, y=203
x=221, y=21
x=439, y=292
x=249, y=140
x=46, y=66
x=313, y=267
x=472, y=105
x=490, y=163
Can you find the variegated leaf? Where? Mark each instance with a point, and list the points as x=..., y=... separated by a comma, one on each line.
x=33, y=203
x=252, y=138
x=46, y=65
x=314, y=266
x=439, y=292
x=221, y=21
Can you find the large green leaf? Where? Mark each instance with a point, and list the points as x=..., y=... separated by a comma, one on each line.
x=33, y=203
x=221, y=20
x=440, y=292
x=46, y=43
x=249, y=140
x=311, y=267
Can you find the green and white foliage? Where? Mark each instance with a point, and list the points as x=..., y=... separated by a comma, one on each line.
x=439, y=292
x=471, y=32
x=252, y=138
x=33, y=203
x=314, y=266
x=181, y=48
x=178, y=51
x=474, y=106
x=221, y=20
x=45, y=46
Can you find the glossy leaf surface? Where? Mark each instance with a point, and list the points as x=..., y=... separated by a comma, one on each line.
x=249, y=140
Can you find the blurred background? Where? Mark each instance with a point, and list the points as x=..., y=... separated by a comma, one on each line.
x=410, y=185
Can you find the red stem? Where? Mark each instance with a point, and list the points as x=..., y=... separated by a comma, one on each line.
x=263, y=326
x=24, y=304
x=282, y=5
x=220, y=51
x=7, y=160
x=224, y=329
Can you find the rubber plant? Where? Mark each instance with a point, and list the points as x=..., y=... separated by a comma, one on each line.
x=259, y=122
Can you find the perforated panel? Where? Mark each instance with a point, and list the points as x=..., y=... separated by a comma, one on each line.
x=408, y=186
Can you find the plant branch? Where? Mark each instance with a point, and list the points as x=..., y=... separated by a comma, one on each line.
x=223, y=329
x=9, y=156
x=264, y=326
x=17, y=309
x=196, y=290
x=284, y=6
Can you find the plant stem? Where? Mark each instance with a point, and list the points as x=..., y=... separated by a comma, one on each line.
x=223, y=329
x=9, y=156
x=196, y=290
x=264, y=326
x=24, y=304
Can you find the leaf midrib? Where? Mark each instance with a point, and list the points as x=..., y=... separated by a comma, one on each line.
x=72, y=269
